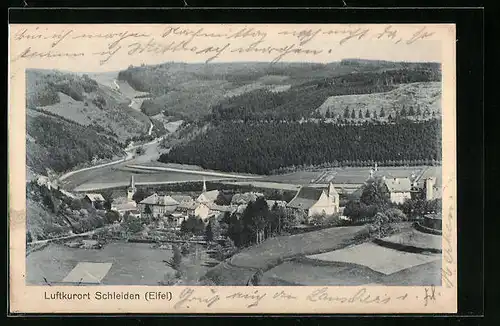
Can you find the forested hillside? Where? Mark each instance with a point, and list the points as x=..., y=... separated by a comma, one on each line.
x=252, y=90
x=59, y=144
x=84, y=101
x=263, y=147
x=301, y=101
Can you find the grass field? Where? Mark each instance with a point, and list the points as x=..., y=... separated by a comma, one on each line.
x=239, y=268
x=304, y=273
x=132, y=263
x=416, y=239
x=380, y=259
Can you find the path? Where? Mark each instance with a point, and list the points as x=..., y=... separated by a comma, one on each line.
x=128, y=157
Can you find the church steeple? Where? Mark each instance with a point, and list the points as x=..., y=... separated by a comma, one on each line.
x=204, y=186
x=131, y=189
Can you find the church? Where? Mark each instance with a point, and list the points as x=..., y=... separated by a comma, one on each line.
x=316, y=201
x=126, y=204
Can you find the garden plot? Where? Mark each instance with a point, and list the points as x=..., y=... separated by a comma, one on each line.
x=377, y=258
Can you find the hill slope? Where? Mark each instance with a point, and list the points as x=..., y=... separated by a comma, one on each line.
x=72, y=119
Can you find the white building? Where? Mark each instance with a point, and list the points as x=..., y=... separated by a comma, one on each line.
x=157, y=206
x=399, y=189
x=316, y=201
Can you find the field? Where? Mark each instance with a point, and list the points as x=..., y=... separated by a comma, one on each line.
x=380, y=259
x=426, y=95
x=416, y=239
x=238, y=269
x=132, y=263
x=298, y=272
x=346, y=180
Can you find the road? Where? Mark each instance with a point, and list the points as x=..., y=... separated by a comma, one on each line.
x=200, y=172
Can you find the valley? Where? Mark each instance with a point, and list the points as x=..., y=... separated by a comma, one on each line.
x=218, y=134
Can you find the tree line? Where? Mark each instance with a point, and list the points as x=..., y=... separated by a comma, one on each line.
x=260, y=148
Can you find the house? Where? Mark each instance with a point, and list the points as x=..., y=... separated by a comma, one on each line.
x=245, y=198
x=200, y=210
x=399, y=189
x=95, y=200
x=312, y=201
x=157, y=206
x=134, y=213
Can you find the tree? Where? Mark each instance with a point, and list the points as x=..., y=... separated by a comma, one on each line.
x=76, y=204
x=235, y=230
x=147, y=210
x=411, y=111
x=375, y=193
x=112, y=216
x=176, y=260
x=209, y=235
x=194, y=225
x=346, y=113
x=132, y=224
x=353, y=114
x=139, y=195
x=382, y=113
x=403, y=112
x=419, y=111
x=395, y=215
x=328, y=114
x=367, y=114
x=360, y=114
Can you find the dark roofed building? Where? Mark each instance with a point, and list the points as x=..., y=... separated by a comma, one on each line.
x=312, y=201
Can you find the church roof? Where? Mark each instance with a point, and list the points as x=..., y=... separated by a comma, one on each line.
x=209, y=195
x=306, y=197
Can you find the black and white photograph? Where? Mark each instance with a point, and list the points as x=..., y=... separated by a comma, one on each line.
x=285, y=171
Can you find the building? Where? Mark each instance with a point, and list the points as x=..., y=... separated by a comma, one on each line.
x=157, y=206
x=399, y=189
x=316, y=201
x=95, y=200
x=194, y=209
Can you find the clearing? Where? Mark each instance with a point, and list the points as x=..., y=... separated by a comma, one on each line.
x=426, y=95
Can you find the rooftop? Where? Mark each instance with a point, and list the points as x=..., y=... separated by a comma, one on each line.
x=155, y=199
x=95, y=197
x=398, y=184
x=306, y=197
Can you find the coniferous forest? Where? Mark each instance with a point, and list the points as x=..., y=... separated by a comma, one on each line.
x=261, y=148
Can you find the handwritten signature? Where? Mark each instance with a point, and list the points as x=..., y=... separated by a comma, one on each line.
x=170, y=39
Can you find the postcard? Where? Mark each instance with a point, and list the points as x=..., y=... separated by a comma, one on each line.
x=232, y=168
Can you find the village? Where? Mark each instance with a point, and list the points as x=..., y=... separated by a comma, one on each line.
x=309, y=207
